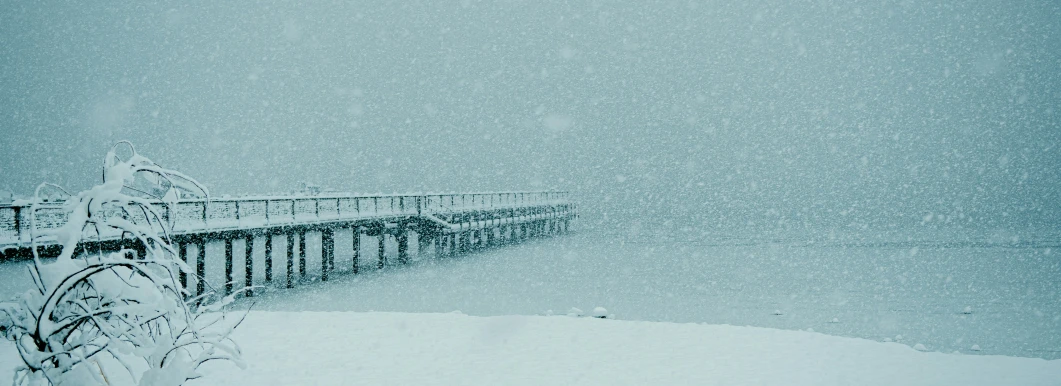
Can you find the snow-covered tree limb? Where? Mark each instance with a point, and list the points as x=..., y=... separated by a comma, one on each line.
x=107, y=318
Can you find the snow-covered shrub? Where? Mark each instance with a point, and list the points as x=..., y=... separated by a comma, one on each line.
x=116, y=318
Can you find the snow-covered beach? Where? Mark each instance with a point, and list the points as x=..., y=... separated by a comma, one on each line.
x=376, y=348
x=340, y=348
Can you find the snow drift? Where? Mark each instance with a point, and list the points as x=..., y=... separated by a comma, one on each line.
x=334, y=348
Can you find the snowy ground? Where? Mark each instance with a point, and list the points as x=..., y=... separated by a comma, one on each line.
x=338, y=348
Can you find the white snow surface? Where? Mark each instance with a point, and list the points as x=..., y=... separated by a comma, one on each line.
x=376, y=348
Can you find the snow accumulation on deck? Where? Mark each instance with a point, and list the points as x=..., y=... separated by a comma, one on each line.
x=337, y=348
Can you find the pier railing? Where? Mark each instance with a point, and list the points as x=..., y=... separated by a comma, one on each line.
x=18, y=223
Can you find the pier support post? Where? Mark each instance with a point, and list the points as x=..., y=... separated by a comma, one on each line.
x=200, y=266
x=443, y=248
x=249, y=264
x=268, y=257
x=290, y=259
x=357, y=247
x=403, y=246
x=302, y=254
x=182, y=253
x=327, y=252
x=382, y=252
x=439, y=246
x=442, y=245
x=228, y=266
x=423, y=241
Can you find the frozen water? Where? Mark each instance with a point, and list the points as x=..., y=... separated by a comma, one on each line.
x=876, y=287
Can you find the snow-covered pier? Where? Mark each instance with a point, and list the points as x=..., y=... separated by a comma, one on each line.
x=443, y=224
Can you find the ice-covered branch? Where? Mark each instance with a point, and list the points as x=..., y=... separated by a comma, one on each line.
x=94, y=319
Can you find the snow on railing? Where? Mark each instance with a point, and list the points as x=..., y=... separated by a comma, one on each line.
x=198, y=215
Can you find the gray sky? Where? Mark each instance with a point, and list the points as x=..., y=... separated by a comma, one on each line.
x=708, y=113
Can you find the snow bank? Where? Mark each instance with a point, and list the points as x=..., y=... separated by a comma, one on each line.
x=333, y=348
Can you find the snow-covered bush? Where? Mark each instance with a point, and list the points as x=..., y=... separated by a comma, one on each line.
x=116, y=318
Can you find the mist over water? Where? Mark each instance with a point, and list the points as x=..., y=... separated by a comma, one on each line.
x=999, y=295
x=709, y=115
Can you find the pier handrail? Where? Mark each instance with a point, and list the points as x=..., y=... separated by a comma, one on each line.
x=198, y=214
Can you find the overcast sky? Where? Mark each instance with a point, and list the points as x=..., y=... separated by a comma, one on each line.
x=762, y=112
